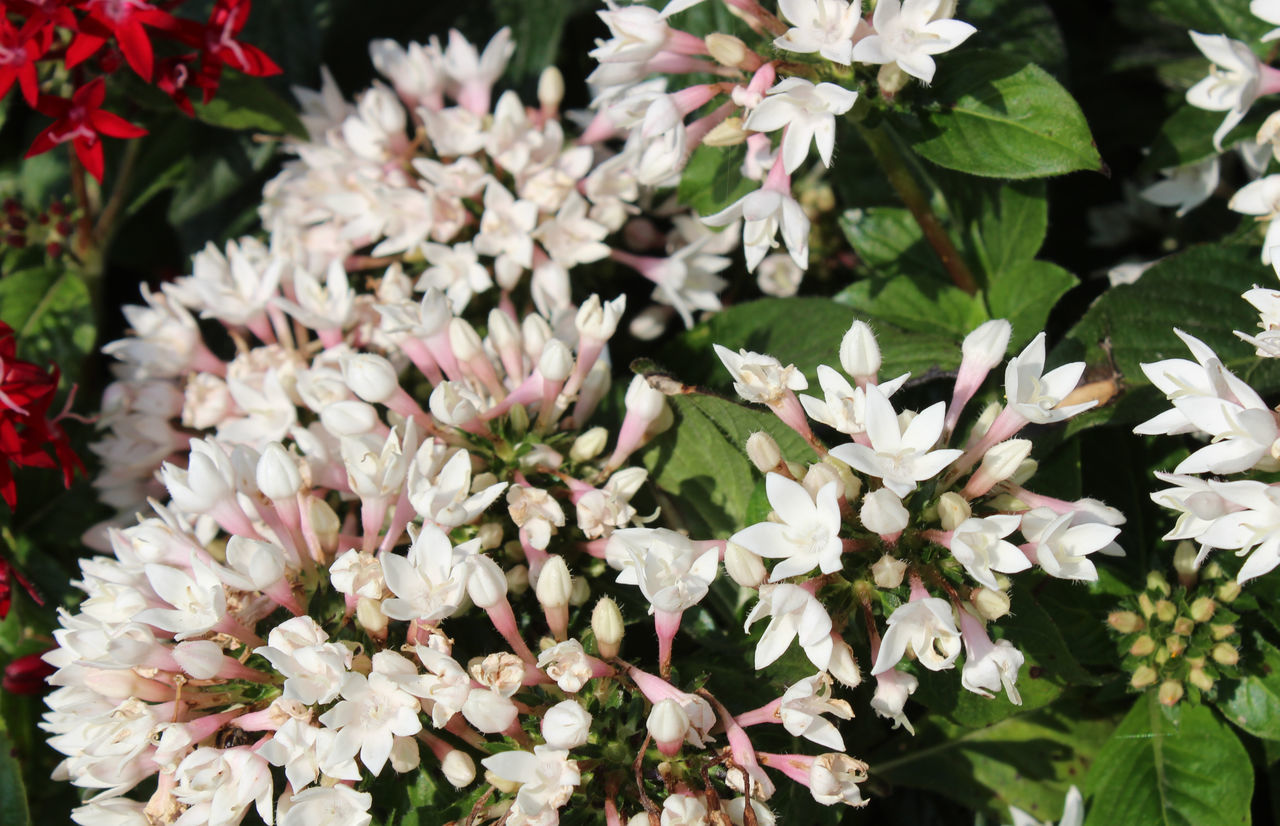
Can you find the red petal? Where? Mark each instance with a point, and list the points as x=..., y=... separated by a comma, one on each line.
x=91, y=94
x=30, y=84
x=109, y=123
x=82, y=48
x=136, y=47
x=90, y=155
x=43, y=143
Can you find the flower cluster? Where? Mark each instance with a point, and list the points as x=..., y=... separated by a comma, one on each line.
x=898, y=524
x=101, y=37
x=30, y=436
x=827, y=44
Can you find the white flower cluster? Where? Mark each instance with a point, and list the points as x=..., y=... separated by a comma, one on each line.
x=1243, y=514
x=632, y=97
x=1237, y=80
x=896, y=505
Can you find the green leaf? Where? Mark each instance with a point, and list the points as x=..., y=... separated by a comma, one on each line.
x=889, y=241
x=1187, y=137
x=245, y=102
x=712, y=181
x=13, y=794
x=1178, y=766
x=1253, y=702
x=1025, y=29
x=1028, y=760
x=1025, y=293
x=917, y=304
x=702, y=461
x=1009, y=223
x=51, y=313
x=1197, y=291
x=1229, y=17
x=1003, y=117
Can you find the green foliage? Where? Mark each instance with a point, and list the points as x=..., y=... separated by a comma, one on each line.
x=1253, y=701
x=999, y=116
x=13, y=794
x=1229, y=17
x=51, y=313
x=1179, y=766
x=711, y=181
x=1187, y=137
x=248, y=103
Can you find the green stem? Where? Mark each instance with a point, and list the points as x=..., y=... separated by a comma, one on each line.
x=917, y=202
x=120, y=188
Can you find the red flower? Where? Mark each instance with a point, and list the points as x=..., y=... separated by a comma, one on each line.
x=8, y=573
x=219, y=47
x=123, y=20
x=82, y=121
x=27, y=432
x=19, y=51
x=27, y=675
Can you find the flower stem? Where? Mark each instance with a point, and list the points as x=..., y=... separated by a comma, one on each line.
x=917, y=202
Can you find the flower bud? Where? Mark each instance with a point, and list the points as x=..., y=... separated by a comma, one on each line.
x=1221, y=632
x=842, y=665
x=599, y=320
x=579, y=591
x=277, y=474
x=556, y=361
x=1213, y=571
x=643, y=400
x=517, y=579
x=324, y=524
x=1225, y=654
x=1126, y=622
x=589, y=445
x=464, y=340
x=859, y=352
x=201, y=659
x=1144, y=676
x=458, y=768
x=1170, y=692
x=607, y=626
x=1184, y=562
x=1002, y=460
x=726, y=49
x=882, y=512
x=728, y=132
x=490, y=535
x=1146, y=605
x=668, y=723
x=991, y=604
x=763, y=451
x=888, y=571
x=1143, y=646
x=1175, y=644
x=1184, y=626
x=743, y=567
x=985, y=347
x=818, y=476
x=1162, y=655
x=370, y=617
x=890, y=80
x=1166, y=610
x=1199, y=678
x=566, y=725
x=550, y=88
x=952, y=510
x=370, y=376
x=486, y=582
x=349, y=418
x=1156, y=581
x=554, y=583
x=1228, y=591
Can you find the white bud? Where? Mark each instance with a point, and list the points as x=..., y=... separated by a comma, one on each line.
x=818, y=476
x=1025, y=470
x=349, y=418
x=728, y=132
x=370, y=617
x=370, y=376
x=458, y=768
x=566, y=725
x=985, y=347
x=452, y=404
x=607, y=625
x=535, y=332
x=643, y=400
x=517, y=579
x=985, y=418
x=277, y=473
x=554, y=583
x=991, y=604
x=859, y=352
x=639, y=819
x=763, y=451
x=952, y=510
x=842, y=665
x=589, y=445
x=490, y=535
x=1002, y=460
x=556, y=361
x=888, y=571
x=743, y=567
x=503, y=331
x=550, y=88
x=882, y=512
x=201, y=659
x=486, y=583
x=579, y=591
x=464, y=340
x=405, y=755
x=324, y=524
x=597, y=320
x=726, y=49
x=668, y=723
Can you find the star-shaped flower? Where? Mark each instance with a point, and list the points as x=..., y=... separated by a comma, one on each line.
x=899, y=457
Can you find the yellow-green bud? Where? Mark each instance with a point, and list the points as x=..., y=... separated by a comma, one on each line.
x=1170, y=692
x=1156, y=582
x=891, y=79
x=607, y=625
x=763, y=451
x=1176, y=645
x=589, y=445
x=1228, y=591
x=1142, y=646
x=1126, y=622
x=1144, y=676
x=1166, y=610
x=1200, y=679
x=1184, y=562
x=952, y=510
x=1221, y=632
x=1213, y=571
x=1146, y=605
x=728, y=132
x=518, y=417
x=726, y=49
x=1184, y=626
x=1162, y=655
x=1202, y=609
x=888, y=571
x=991, y=604
x=1225, y=654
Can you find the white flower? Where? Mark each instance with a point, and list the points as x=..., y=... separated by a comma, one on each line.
x=760, y=378
x=763, y=213
x=547, y=777
x=927, y=627
x=1252, y=526
x=429, y=583
x=305, y=751
x=989, y=667
x=822, y=26
x=373, y=711
x=313, y=667
x=671, y=573
x=793, y=612
x=844, y=406
x=328, y=806
x=1262, y=199
x=566, y=725
x=473, y=74
x=683, y=810
x=803, y=705
x=893, y=687
x=1182, y=379
x=1061, y=548
x=536, y=512
x=217, y=786
x=899, y=457
x=566, y=663
x=1233, y=83
x=1036, y=395
x=979, y=545
x=809, y=114
x=807, y=535
x=907, y=34
x=198, y=599
x=834, y=778
x=1185, y=187
x=440, y=489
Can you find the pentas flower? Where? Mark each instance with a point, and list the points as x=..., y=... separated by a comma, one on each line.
x=793, y=612
x=822, y=26
x=1261, y=198
x=927, y=627
x=979, y=545
x=807, y=535
x=901, y=457
x=763, y=213
x=808, y=112
x=546, y=777
x=81, y=120
x=906, y=34
x=1236, y=79
x=1062, y=548
x=1184, y=187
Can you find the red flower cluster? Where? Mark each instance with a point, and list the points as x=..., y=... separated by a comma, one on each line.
x=27, y=433
x=118, y=32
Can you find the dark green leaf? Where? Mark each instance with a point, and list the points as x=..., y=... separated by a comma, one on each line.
x=889, y=241
x=245, y=102
x=1187, y=137
x=1008, y=223
x=1024, y=29
x=1178, y=766
x=1229, y=17
x=1002, y=117
x=1253, y=702
x=51, y=314
x=917, y=304
x=712, y=180
x=1025, y=294
x=13, y=794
